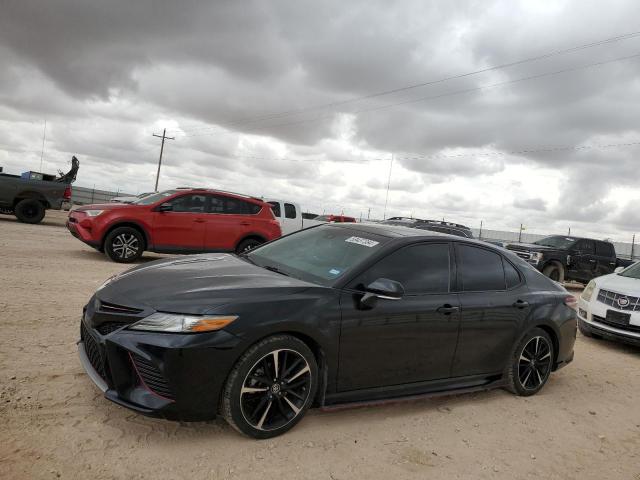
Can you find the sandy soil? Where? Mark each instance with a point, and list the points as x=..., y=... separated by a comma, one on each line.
x=56, y=424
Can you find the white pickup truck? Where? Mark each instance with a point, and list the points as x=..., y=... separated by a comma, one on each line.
x=290, y=216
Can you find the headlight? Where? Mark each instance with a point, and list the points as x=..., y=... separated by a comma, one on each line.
x=176, y=323
x=93, y=213
x=537, y=256
x=587, y=293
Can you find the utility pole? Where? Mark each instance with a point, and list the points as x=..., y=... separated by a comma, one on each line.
x=633, y=245
x=44, y=135
x=569, y=234
x=480, y=235
x=384, y=215
x=520, y=234
x=369, y=213
x=163, y=137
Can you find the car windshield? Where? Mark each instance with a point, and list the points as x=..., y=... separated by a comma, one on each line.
x=556, y=242
x=319, y=255
x=151, y=199
x=632, y=272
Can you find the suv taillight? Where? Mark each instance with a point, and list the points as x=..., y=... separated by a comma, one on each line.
x=67, y=193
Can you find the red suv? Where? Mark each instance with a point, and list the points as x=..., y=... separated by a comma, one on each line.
x=175, y=221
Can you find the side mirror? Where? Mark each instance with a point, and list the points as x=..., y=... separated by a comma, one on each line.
x=381, y=288
x=619, y=269
x=165, y=207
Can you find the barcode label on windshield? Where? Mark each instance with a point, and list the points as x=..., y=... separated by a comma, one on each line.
x=362, y=241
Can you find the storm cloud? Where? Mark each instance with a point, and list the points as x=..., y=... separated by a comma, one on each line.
x=283, y=99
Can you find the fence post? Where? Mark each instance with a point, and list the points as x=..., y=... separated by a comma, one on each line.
x=633, y=245
x=520, y=235
x=480, y=234
x=93, y=192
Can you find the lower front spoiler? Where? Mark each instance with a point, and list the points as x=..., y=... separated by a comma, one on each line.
x=86, y=364
x=610, y=333
x=111, y=394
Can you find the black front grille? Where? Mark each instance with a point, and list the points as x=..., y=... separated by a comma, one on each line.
x=93, y=351
x=151, y=377
x=108, y=327
x=119, y=309
x=604, y=321
x=619, y=301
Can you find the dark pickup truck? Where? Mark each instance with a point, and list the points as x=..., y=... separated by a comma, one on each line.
x=564, y=258
x=28, y=196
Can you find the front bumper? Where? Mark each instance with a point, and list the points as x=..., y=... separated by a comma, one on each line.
x=81, y=233
x=173, y=376
x=590, y=315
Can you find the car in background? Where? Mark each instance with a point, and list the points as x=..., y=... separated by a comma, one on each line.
x=334, y=219
x=609, y=307
x=175, y=221
x=431, y=225
x=563, y=258
x=337, y=314
x=131, y=199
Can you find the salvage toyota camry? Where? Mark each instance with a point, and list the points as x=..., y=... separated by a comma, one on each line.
x=334, y=314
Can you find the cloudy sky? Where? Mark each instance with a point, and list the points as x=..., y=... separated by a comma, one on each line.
x=306, y=101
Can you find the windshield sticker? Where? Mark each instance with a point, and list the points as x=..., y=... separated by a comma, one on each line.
x=334, y=271
x=362, y=241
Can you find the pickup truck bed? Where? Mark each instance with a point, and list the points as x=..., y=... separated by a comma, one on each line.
x=29, y=199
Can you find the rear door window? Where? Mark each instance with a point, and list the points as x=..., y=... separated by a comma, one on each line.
x=289, y=210
x=479, y=269
x=605, y=249
x=586, y=246
x=275, y=207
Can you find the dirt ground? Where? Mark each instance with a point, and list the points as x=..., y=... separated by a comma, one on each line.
x=54, y=423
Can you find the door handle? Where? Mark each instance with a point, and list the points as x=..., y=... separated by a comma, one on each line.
x=199, y=220
x=245, y=223
x=521, y=304
x=448, y=309
x=592, y=261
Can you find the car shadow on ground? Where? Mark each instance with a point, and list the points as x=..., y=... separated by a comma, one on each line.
x=617, y=346
x=45, y=222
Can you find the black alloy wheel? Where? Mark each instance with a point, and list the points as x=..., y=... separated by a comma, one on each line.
x=124, y=245
x=271, y=387
x=532, y=364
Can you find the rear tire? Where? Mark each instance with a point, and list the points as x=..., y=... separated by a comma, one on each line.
x=29, y=210
x=271, y=387
x=124, y=245
x=531, y=364
x=248, y=244
x=554, y=272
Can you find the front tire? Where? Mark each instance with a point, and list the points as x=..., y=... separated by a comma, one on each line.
x=271, y=387
x=124, y=245
x=554, y=272
x=29, y=210
x=531, y=364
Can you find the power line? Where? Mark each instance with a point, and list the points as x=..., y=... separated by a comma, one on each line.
x=250, y=120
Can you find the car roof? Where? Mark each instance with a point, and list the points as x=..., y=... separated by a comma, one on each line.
x=398, y=231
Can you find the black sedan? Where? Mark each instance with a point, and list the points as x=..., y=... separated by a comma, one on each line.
x=333, y=314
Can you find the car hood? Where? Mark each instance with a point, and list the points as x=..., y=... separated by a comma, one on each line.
x=619, y=284
x=528, y=247
x=106, y=206
x=196, y=284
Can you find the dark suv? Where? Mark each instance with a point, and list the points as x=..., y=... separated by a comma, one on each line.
x=431, y=225
x=563, y=258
